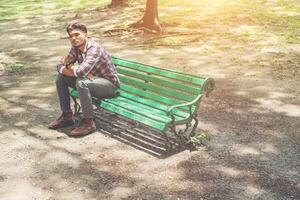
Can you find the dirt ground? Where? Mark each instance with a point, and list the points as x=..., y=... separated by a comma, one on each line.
x=252, y=119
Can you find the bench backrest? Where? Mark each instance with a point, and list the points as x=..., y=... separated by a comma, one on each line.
x=161, y=85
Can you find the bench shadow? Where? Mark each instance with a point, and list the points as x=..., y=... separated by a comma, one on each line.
x=137, y=135
x=134, y=134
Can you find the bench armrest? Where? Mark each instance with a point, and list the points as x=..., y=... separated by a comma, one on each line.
x=208, y=86
x=189, y=104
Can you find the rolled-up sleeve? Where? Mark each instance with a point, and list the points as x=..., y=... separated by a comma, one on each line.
x=93, y=54
x=72, y=56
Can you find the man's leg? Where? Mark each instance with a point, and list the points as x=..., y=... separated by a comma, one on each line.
x=99, y=88
x=62, y=85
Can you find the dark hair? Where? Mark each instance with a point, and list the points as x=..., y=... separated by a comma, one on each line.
x=76, y=25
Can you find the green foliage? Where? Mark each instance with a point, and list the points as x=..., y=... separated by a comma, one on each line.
x=15, y=67
x=199, y=139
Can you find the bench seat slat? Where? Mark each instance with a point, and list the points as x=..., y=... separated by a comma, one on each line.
x=148, y=95
x=162, y=72
x=160, y=81
x=147, y=111
x=156, y=89
x=134, y=116
x=153, y=104
x=138, y=108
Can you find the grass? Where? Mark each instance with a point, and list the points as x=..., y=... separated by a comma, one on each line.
x=200, y=138
x=286, y=26
x=281, y=18
x=172, y=41
x=17, y=67
x=14, y=9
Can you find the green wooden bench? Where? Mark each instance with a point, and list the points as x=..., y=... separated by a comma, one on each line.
x=159, y=98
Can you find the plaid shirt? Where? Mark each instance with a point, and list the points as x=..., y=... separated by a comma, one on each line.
x=94, y=60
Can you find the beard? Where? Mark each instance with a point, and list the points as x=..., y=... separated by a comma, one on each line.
x=76, y=44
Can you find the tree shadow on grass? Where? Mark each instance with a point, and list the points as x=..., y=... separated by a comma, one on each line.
x=65, y=173
x=254, y=151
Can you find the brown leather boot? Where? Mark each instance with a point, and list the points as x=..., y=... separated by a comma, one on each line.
x=66, y=119
x=86, y=126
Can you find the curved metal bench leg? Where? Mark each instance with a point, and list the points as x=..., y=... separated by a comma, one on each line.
x=194, y=117
x=169, y=146
x=77, y=106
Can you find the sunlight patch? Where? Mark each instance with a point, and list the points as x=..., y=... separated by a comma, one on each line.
x=269, y=148
x=39, y=104
x=242, y=93
x=15, y=110
x=191, y=49
x=23, y=21
x=53, y=33
x=21, y=123
x=18, y=188
x=13, y=132
x=126, y=53
x=244, y=150
x=200, y=61
x=270, y=50
x=47, y=89
x=41, y=131
x=58, y=48
x=15, y=92
x=31, y=49
x=229, y=171
x=4, y=104
x=270, y=39
x=246, y=30
x=161, y=52
x=18, y=37
x=253, y=191
x=282, y=13
x=62, y=158
x=30, y=83
x=279, y=107
x=122, y=192
x=279, y=95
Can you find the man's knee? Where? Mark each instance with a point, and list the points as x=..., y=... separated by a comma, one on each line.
x=65, y=80
x=81, y=83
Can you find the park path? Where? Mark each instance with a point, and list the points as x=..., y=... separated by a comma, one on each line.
x=252, y=119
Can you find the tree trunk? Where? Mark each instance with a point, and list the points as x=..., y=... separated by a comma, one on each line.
x=150, y=19
x=116, y=3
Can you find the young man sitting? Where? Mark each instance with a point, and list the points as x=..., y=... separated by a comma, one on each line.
x=94, y=75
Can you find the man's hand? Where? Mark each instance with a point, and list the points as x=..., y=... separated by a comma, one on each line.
x=60, y=68
x=90, y=76
x=68, y=71
x=66, y=61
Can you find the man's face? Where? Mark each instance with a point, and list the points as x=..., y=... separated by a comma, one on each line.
x=77, y=37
